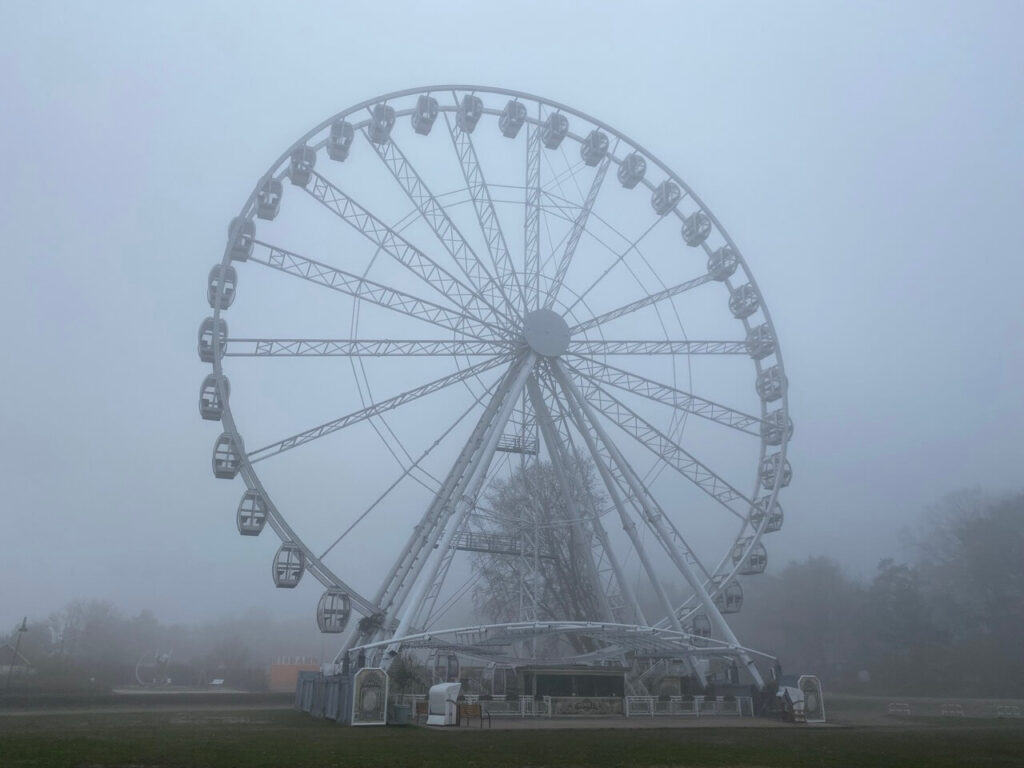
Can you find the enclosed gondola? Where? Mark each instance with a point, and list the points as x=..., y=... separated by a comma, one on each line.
x=289, y=565
x=209, y=330
x=333, y=611
x=227, y=457
x=252, y=513
x=221, y=282
x=211, y=406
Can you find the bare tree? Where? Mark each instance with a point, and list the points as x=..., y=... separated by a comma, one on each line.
x=553, y=577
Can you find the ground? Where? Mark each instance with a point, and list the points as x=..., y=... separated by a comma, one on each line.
x=228, y=733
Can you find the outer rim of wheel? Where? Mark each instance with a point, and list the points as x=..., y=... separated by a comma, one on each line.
x=725, y=571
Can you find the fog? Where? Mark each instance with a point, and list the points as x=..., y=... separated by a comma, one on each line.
x=867, y=158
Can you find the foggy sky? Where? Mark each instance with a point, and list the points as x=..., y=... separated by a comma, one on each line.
x=867, y=158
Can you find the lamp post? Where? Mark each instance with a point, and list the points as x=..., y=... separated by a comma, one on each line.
x=17, y=643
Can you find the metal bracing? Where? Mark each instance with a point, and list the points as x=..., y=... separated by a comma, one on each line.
x=490, y=224
x=491, y=543
x=597, y=371
x=591, y=348
x=367, y=290
x=531, y=219
x=373, y=410
x=605, y=464
x=620, y=593
x=578, y=228
x=466, y=501
x=364, y=348
x=520, y=435
x=570, y=495
x=557, y=450
x=464, y=497
x=447, y=232
x=665, y=448
x=425, y=534
x=658, y=525
x=635, y=306
x=401, y=250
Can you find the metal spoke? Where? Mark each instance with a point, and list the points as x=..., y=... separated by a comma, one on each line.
x=557, y=451
x=624, y=347
x=579, y=225
x=447, y=232
x=463, y=499
x=362, y=348
x=646, y=301
x=367, y=290
x=490, y=224
x=373, y=410
x=662, y=393
x=407, y=567
x=407, y=471
x=618, y=258
x=531, y=221
x=400, y=249
x=657, y=522
x=665, y=448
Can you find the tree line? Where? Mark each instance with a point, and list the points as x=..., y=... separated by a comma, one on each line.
x=947, y=618
x=90, y=646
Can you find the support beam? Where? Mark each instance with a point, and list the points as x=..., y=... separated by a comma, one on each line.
x=641, y=494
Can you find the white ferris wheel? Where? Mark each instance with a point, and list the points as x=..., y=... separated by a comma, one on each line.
x=438, y=287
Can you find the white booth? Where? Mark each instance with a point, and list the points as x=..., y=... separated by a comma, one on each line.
x=443, y=704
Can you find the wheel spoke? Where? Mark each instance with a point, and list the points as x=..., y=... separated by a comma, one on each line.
x=579, y=225
x=531, y=221
x=490, y=224
x=366, y=290
x=589, y=348
x=665, y=448
x=612, y=600
x=646, y=301
x=662, y=393
x=618, y=259
x=400, y=249
x=409, y=470
x=362, y=348
x=444, y=228
x=373, y=410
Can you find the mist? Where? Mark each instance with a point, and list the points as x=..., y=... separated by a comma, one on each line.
x=866, y=157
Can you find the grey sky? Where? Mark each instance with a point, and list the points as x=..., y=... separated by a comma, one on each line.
x=867, y=158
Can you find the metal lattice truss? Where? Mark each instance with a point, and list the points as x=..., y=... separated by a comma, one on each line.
x=514, y=283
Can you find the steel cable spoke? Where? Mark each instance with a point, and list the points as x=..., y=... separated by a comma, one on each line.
x=391, y=403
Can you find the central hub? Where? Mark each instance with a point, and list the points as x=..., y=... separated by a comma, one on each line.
x=546, y=332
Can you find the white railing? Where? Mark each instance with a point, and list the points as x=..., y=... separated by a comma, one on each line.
x=649, y=706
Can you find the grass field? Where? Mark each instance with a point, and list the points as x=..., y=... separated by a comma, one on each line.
x=257, y=737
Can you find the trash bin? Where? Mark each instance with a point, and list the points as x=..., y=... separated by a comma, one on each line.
x=402, y=714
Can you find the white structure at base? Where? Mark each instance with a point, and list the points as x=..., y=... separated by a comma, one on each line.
x=443, y=704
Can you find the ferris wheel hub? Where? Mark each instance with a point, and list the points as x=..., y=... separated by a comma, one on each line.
x=546, y=332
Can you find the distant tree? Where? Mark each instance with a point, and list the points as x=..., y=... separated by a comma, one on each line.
x=970, y=560
x=529, y=507
x=407, y=675
x=810, y=614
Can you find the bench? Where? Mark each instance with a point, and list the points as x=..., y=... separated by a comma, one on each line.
x=466, y=711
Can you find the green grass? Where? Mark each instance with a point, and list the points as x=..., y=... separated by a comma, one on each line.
x=277, y=738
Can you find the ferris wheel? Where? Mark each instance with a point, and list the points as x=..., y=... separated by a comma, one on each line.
x=438, y=287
